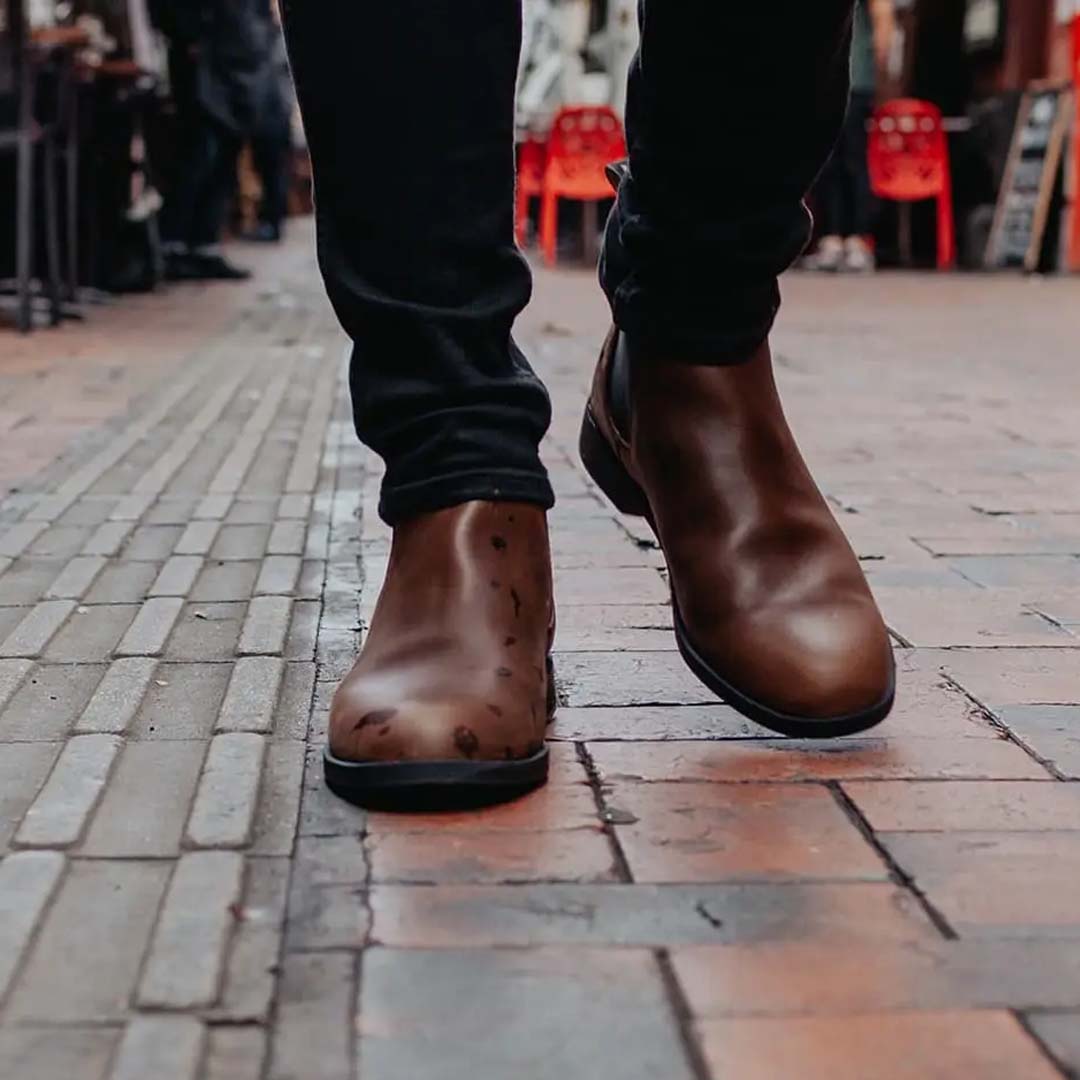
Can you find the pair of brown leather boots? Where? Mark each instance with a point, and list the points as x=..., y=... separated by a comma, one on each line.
x=448, y=702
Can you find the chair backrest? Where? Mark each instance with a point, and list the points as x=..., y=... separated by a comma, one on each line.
x=531, y=161
x=584, y=139
x=908, y=153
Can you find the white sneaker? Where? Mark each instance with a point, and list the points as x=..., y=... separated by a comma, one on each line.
x=859, y=256
x=829, y=255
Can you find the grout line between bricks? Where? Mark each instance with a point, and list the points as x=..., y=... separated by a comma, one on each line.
x=896, y=871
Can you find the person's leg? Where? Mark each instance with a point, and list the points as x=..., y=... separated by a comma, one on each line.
x=408, y=109
x=733, y=109
x=861, y=198
x=211, y=210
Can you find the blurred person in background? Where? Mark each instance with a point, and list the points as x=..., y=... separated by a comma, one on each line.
x=842, y=195
x=408, y=109
x=219, y=61
x=271, y=138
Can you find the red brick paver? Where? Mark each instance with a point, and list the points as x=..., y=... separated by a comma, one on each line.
x=189, y=549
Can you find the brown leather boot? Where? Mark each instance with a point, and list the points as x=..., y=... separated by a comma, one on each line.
x=448, y=702
x=772, y=611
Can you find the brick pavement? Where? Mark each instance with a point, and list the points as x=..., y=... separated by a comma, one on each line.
x=179, y=590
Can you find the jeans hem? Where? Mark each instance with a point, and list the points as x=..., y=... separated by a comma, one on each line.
x=438, y=493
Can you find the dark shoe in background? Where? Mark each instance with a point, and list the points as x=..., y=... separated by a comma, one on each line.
x=263, y=233
x=772, y=611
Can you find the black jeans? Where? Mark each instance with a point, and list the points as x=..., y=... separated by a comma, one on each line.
x=408, y=108
x=845, y=199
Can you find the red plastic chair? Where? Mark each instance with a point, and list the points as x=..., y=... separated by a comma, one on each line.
x=909, y=160
x=584, y=139
x=532, y=158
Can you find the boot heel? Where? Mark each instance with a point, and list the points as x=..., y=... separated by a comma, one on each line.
x=605, y=468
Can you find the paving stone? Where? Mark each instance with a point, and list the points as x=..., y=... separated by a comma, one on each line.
x=133, y=507
x=235, y=1053
x=702, y=832
x=76, y=578
x=321, y=812
x=649, y=722
x=809, y=978
x=181, y=702
x=151, y=628
x=266, y=626
x=123, y=583
x=295, y=701
x=303, y=630
x=313, y=1036
x=790, y=760
x=279, y=574
x=91, y=635
x=206, y=632
x=222, y=581
x=37, y=628
x=252, y=695
x=1003, y=677
x=23, y=769
x=277, y=819
x=117, y=697
x=251, y=970
x=213, y=506
x=563, y=803
x=240, y=542
x=166, y=1046
x=295, y=506
x=60, y=542
x=248, y=511
x=46, y=1053
x=145, y=805
x=947, y=806
x=28, y=880
x=26, y=581
x=15, y=540
x=312, y=577
x=186, y=959
x=287, y=538
x=646, y=916
x=197, y=538
x=58, y=815
x=224, y=809
x=889, y=1046
x=996, y=884
x=110, y=537
x=327, y=905
x=1060, y=1034
x=177, y=576
x=1051, y=731
x=544, y=1013
x=103, y=915
x=49, y=701
x=12, y=675
x=580, y=855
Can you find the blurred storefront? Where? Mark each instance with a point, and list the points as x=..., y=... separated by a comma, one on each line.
x=976, y=59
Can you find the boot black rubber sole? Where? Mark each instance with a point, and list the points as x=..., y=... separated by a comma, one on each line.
x=603, y=465
x=438, y=785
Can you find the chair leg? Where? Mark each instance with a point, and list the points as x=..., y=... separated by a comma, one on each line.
x=52, y=232
x=549, y=226
x=24, y=232
x=71, y=215
x=521, y=215
x=946, y=233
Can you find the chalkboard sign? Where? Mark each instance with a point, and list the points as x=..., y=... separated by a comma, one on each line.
x=1031, y=174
